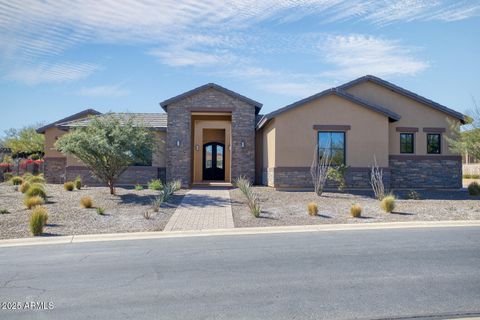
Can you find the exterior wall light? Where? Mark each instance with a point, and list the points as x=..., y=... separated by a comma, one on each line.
x=242, y=144
x=197, y=147
x=178, y=143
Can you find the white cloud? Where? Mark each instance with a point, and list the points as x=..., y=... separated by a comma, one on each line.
x=357, y=55
x=50, y=73
x=103, y=91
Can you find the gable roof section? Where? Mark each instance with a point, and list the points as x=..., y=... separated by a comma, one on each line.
x=231, y=93
x=86, y=112
x=153, y=121
x=335, y=91
x=406, y=93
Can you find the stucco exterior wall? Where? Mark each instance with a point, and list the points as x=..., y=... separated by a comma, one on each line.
x=414, y=115
x=296, y=139
x=51, y=136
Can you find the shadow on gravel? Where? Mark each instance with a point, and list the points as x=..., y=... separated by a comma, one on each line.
x=403, y=213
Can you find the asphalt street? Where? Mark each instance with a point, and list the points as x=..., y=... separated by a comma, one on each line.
x=361, y=274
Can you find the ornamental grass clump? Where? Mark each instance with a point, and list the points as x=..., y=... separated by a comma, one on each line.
x=36, y=189
x=356, y=210
x=138, y=187
x=16, y=181
x=32, y=202
x=36, y=179
x=474, y=189
x=78, y=183
x=312, y=209
x=388, y=203
x=24, y=187
x=252, y=199
x=100, y=211
x=69, y=185
x=86, y=202
x=38, y=220
x=155, y=184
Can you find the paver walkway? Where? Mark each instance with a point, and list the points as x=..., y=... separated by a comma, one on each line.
x=202, y=209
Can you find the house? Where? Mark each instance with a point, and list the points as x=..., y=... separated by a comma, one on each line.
x=214, y=134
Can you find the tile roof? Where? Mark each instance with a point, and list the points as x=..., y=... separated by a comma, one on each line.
x=155, y=121
x=83, y=113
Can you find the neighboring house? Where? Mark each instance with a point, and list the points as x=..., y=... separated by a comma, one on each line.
x=213, y=134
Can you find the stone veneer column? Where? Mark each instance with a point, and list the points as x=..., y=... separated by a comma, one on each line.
x=179, y=158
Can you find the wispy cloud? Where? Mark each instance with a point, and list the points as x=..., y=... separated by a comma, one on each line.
x=103, y=91
x=51, y=73
x=356, y=55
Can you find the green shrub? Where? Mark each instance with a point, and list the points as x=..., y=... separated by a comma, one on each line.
x=7, y=176
x=138, y=187
x=86, y=202
x=356, y=211
x=474, y=189
x=312, y=209
x=16, y=181
x=78, y=183
x=38, y=219
x=69, y=185
x=100, y=211
x=36, y=189
x=413, y=195
x=36, y=179
x=27, y=176
x=337, y=174
x=31, y=202
x=252, y=199
x=24, y=186
x=4, y=211
x=388, y=203
x=155, y=184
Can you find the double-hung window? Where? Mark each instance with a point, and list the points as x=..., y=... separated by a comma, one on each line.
x=332, y=144
x=407, y=143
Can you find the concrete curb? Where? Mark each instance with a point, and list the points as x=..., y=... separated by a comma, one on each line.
x=236, y=231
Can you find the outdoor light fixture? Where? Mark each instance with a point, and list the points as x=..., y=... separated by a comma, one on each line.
x=178, y=143
x=242, y=144
x=197, y=147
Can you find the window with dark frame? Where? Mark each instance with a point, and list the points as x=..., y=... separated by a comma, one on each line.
x=332, y=143
x=434, y=143
x=407, y=143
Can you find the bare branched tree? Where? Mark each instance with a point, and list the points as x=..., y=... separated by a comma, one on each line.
x=319, y=170
x=376, y=180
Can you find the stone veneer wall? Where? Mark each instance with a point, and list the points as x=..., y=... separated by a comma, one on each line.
x=54, y=169
x=291, y=177
x=179, y=158
x=133, y=175
x=440, y=172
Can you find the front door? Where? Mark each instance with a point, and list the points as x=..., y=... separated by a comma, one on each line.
x=214, y=161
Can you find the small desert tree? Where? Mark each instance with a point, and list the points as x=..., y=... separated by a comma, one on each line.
x=468, y=140
x=24, y=141
x=107, y=145
x=319, y=169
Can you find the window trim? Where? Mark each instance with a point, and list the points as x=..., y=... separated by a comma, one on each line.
x=344, y=143
x=413, y=142
x=439, y=142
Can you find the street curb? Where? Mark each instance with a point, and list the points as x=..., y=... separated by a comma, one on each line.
x=235, y=231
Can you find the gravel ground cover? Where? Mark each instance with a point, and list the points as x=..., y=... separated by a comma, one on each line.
x=283, y=208
x=123, y=212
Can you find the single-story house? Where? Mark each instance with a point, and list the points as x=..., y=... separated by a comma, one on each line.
x=214, y=134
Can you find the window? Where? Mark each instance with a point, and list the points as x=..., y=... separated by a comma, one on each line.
x=332, y=144
x=434, y=143
x=406, y=143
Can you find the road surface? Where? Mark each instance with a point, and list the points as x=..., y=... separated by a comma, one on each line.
x=361, y=274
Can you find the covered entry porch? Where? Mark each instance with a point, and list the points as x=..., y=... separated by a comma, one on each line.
x=211, y=148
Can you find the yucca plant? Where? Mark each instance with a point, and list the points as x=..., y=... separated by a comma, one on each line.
x=252, y=199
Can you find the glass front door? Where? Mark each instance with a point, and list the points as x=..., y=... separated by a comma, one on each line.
x=214, y=161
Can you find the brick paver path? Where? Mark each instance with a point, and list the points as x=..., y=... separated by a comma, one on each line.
x=202, y=209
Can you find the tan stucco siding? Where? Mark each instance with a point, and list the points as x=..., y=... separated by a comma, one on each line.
x=268, y=142
x=51, y=136
x=296, y=139
x=414, y=115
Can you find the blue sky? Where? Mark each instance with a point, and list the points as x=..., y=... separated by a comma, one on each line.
x=60, y=57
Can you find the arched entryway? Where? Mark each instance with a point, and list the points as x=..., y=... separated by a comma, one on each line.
x=214, y=161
